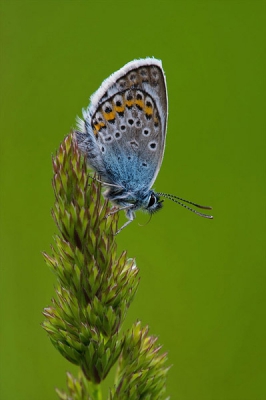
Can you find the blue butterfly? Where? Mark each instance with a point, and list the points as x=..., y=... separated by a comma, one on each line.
x=122, y=135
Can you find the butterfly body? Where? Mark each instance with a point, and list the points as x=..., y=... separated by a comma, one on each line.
x=122, y=135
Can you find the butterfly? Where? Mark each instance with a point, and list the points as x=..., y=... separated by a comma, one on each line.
x=122, y=135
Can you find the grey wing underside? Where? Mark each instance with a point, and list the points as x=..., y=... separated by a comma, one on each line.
x=125, y=144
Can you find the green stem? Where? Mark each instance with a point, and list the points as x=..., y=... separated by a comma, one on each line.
x=117, y=373
x=96, y=391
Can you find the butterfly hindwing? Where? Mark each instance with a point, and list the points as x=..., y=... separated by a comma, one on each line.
x=126, y=122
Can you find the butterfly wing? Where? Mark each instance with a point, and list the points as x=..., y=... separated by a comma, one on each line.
x=124, y=128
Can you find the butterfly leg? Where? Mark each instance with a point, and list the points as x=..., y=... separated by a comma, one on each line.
x=116, y=209
x=131, y=216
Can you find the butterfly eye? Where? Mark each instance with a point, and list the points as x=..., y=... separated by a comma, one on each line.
x=154, y=204
x=152, y=201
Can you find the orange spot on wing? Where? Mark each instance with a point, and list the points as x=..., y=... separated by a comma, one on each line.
x=148, y=110
x=129, y=103
x=119, y=108
x=109, y=116
x=140, y=103
x=97, y=127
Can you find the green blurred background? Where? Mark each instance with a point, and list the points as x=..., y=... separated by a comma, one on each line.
x=202, y=285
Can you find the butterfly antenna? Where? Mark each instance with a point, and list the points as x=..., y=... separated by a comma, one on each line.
x=178, y=200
